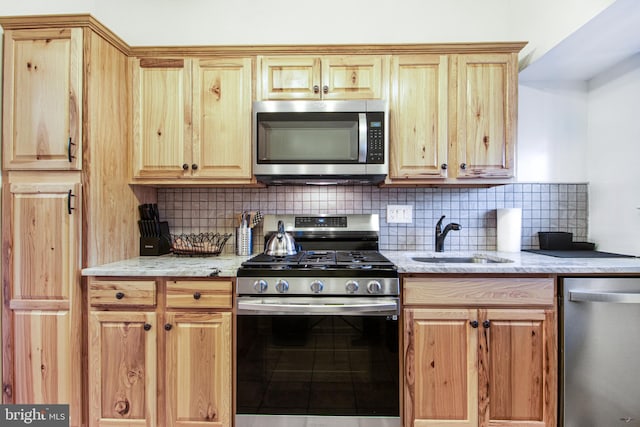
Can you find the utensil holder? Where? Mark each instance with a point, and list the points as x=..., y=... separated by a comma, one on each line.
x=244, y=241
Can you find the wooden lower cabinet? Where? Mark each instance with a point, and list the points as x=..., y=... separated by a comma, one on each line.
x=481, y=364
x=198, y=369
x=154, y=365
x=122, y=362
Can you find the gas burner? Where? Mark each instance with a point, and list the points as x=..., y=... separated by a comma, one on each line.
x=360, y=266
x=280, y=267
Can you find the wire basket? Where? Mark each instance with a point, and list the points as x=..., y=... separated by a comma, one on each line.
x=198, y=244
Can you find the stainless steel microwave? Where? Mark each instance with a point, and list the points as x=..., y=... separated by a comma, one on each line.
x=320, y=142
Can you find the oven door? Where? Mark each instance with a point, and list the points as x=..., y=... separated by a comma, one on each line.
x=317, y=362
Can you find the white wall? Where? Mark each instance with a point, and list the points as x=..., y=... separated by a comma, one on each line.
x=552, y=132
x=543, y=23
x=613, y=158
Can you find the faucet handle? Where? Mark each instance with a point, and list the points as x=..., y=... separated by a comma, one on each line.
x=439, y=224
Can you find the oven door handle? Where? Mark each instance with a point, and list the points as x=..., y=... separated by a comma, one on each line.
x=314, y=306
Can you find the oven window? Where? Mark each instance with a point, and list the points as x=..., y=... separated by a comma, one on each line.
x=317, y=365
x=292, y=138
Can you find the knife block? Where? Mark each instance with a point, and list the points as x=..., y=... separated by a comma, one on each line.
x=153, y=246
x=156, y=245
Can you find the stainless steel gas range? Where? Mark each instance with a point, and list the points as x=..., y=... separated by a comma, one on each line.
x=318, y=330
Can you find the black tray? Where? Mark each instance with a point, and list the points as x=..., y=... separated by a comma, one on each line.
x=577, y=254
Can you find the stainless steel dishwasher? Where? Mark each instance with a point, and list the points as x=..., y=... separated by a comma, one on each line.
x=600, y=352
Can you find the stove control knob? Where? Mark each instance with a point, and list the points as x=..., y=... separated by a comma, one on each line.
x=317, y=286
x=352, y=286
x=282, y=286
x=260, y=286
x=374, y=287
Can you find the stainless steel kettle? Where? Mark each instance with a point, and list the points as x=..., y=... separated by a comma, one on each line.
x=281, y=244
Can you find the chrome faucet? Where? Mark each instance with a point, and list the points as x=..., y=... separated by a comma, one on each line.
x=441, y=235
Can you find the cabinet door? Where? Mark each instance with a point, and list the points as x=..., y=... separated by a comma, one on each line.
x=122, y=368
x=222, y=118
x=487, y=112
x=41, y=281
x=517, y=365
x=353, y=77
x=441, y=380
x=42, y=127
x=418, y=115
x=290, y=77
x=198, y=369
x=162, y=141
x=44, y=359
x=43, y=228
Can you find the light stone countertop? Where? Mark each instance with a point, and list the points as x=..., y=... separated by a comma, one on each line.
x=170, y=265
x=523, y=263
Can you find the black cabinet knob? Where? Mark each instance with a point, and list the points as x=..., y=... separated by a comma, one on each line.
x=444, y=166
x=194, y=166
x=486, y=324
x=147, y=326
x=185, y=166
x=463, y=166
x=167, y=326
x=197, y=295
x=474, y=324
x=119, y=295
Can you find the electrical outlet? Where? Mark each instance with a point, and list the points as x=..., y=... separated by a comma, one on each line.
x=399, y=214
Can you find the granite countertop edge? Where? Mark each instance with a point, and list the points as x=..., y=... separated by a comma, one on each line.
x=521, y=263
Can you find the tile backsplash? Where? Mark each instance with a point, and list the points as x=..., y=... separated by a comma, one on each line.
x=545, y=207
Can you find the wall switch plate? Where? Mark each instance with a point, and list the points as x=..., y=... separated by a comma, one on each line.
x=399, y=214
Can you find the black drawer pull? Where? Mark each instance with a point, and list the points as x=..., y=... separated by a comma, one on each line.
x=147, y=326
x=119, y=295
x=197, y=295
x=168, y=326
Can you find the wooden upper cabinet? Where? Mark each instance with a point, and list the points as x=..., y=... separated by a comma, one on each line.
x=161, y=117
x=222, y=96
x=192, y=119
x=42, y=105
x=486, y=115
x=323, y=77
x=419, y=116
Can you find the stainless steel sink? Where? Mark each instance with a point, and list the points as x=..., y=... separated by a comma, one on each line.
x=462, y=260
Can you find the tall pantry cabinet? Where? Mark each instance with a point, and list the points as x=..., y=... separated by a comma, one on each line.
x=65, y=166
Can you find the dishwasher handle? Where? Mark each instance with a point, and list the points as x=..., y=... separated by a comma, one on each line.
x=610, y=297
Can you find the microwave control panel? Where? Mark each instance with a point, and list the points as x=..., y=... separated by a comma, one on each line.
x=375, y=137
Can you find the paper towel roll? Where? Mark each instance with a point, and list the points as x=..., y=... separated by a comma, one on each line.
x=509, y=229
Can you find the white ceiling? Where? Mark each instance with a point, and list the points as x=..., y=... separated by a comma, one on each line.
x=607, y=39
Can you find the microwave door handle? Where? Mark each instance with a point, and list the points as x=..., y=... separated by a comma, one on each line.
x=362, y=137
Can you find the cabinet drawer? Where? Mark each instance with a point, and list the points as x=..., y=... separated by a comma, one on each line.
x=199, y=294
x=451, y=291
x=122, y=292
